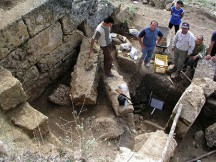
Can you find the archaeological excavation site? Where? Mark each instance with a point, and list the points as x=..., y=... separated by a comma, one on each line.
x=57, y=104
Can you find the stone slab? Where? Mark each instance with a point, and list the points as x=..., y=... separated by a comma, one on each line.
x=11, y=91
x=84, y=81
x=11, y=37
x=34, y=123
x=111, y=85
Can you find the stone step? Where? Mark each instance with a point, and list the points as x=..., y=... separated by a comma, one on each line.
x=11, y=91
x=111, y=85
x=33, y=122
x=85, y=76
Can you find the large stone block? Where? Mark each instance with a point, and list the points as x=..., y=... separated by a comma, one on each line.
x=192, y=100
x=58, y=55
x=44, y=43
x=111, y=85
x=126, y=62
x=11, y=91
x=37, y=86
x=205, y=69
x=43, y=16
x=12, y=36
x=85, y=76
x=17, y=62
x=154, y=150
x=68, y=24
x=34, y=123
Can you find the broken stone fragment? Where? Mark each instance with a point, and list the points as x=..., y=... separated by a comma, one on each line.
x=11, y=91
x=85, y=76
x=106, y=127
x=61, y=96
x=33, y=122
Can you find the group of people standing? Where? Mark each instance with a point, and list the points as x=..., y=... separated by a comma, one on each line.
x=187, y=49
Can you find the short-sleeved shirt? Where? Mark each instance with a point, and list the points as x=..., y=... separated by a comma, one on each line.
x=213, y=39
x=175, y=18
x=102, y=35
x=150, y=37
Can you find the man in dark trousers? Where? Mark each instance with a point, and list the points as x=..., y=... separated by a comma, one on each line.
x=103, y=37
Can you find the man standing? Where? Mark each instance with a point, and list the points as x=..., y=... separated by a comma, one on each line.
x=149, y=41
x=102, y=36
x=198, y=53
x=183, y=45
x=212, y=48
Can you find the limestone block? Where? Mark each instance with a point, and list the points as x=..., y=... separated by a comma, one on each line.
x=192, y=100
x=126, y=62
x=210, y=135
x=204, y=69
x=44, y=43
x=107, y=127
x=111, y=85
x=11, y=91
x=38, y=87
x=68, y=24
x=85, y=76
x=29, y=77
x=58, y=55
x=43, y=16
x=124, y=14
x=30, y=120
x=140, y=141
x=61, y=96
x=153, y=150
x=17, y=62
x=207, y=84
x=12, y=36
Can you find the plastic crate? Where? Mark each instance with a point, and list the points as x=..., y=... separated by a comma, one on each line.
x=160, y=63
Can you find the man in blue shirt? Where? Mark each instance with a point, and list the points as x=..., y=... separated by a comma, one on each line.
x=176, y=15
x=149, y=41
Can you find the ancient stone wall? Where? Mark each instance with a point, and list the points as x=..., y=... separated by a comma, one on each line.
x=39, y=39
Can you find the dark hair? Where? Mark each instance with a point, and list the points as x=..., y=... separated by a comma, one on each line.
x=201, y=36
x=154, y=21
x=180, y=2
x=109, y=19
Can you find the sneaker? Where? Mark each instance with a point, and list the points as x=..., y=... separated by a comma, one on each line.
x=151, y=61
x=147, y=64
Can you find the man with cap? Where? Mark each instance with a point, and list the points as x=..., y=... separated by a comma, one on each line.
x=176, y=15
x=183, y=45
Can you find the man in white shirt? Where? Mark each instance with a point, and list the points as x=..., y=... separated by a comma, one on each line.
x=103, y=37
x=183, y=45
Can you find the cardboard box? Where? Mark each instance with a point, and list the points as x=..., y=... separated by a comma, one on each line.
x=160, y=63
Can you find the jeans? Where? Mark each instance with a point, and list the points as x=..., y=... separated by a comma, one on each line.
x=147, y=53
